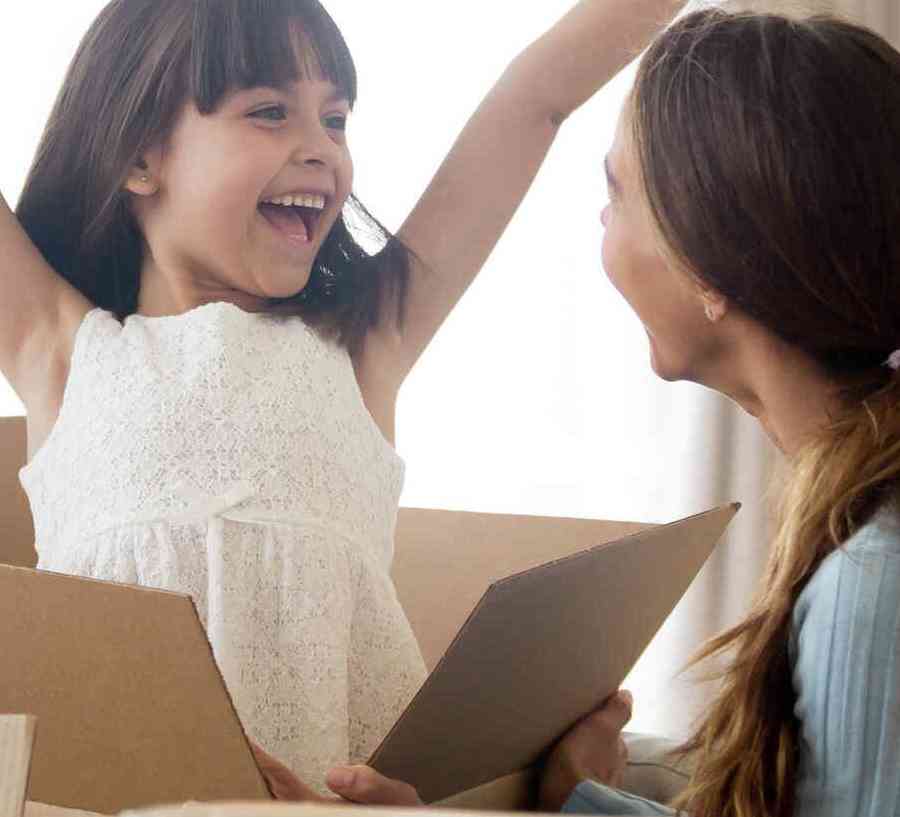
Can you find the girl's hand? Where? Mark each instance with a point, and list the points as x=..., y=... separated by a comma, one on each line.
x=282, y=782
x=593, y=749
x=363, y=785
x=354, y=784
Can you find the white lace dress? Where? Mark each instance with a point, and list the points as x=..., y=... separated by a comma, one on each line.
x=230, y=456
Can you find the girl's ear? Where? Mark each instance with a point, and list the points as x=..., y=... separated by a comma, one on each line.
x=143, y=179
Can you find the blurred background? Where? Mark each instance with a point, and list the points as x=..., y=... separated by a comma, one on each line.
x=537, y=396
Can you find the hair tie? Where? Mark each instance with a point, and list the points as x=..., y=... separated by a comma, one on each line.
x=893, y=362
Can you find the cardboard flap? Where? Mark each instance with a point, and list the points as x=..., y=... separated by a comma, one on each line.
x=16, y=530
x=132, y=708
x=541, y=650
x=460, y=554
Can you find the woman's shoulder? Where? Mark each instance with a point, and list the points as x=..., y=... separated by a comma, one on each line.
x=862, y=573
x=876, y=542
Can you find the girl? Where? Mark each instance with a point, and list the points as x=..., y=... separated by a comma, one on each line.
x=754, y=227
x=209, y=360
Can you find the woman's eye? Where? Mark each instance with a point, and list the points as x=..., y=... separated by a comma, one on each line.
x=336, y=122
x=272, y=113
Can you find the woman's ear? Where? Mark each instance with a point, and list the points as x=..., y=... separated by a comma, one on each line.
x=715, y=304
x=143, y=179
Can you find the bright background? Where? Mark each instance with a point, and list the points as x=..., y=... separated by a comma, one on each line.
x=537, y=396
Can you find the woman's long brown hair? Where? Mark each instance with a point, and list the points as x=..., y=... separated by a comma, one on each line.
x=769, y=151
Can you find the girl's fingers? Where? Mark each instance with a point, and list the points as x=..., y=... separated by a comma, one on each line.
x=282, y=782
x=361, y=784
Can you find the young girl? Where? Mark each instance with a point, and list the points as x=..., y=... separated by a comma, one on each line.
x=754, y=227
x=209, y=360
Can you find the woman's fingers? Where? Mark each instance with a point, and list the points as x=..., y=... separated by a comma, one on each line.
x=362, y=784
x=619, y=773
x=593, y=749
x=614, y=713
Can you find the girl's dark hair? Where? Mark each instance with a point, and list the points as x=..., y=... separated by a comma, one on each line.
x=137, y=66
x=769, y=151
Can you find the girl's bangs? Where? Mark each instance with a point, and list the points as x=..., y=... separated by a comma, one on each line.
x=239, y=44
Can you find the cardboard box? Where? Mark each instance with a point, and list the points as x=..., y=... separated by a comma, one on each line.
x=539, y=651
x=131, y=708
x=445, y=562
x=16, y=529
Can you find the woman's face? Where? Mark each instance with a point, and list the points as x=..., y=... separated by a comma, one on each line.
x=665, y=298
x=247, y=195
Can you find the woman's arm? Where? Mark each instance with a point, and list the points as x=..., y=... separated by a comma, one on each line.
x=475, y=193
x=39, y=315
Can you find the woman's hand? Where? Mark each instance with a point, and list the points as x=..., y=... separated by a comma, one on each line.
x=353, y=784
x=593, y=749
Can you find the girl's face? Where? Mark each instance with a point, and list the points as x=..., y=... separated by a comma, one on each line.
x=245, y=196
x=667, y=300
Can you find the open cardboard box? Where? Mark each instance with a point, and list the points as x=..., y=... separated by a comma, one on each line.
x=445, y=561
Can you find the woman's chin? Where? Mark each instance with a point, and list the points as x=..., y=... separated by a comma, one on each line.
x=658, y=364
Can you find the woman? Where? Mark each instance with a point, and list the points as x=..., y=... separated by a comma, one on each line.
x=754, y=227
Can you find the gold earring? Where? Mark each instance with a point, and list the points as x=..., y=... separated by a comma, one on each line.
x=710, y=313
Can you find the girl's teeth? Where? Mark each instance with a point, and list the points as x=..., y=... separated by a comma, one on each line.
x=313, y=201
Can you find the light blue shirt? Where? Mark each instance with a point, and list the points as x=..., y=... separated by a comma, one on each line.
x=845, y=656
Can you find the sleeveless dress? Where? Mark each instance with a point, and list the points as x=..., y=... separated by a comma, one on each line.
x=230, y=456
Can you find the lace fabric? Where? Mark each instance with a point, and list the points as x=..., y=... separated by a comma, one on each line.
x=230, y=456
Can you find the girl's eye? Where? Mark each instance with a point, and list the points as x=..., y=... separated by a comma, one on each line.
x=272, y=113
x=336, y=122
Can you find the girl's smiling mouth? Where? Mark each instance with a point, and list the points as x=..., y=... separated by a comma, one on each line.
x=295, y=215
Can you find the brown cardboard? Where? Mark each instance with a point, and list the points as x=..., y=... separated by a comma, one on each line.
x=132, y=709
x=16, y=530
x=540, y=650
x=288, y=810
x=512, y=792
x=459, y=555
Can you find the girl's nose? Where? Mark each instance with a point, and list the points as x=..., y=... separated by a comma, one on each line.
x=315, y=147
x=604, y=216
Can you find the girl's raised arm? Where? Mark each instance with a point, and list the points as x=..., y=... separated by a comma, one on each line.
x=475, y=193
x=39, y=315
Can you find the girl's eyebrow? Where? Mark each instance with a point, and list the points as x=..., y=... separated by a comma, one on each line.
x=336, y=94
x=334, y=97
